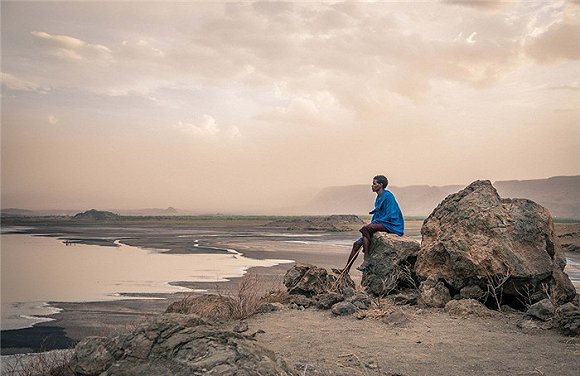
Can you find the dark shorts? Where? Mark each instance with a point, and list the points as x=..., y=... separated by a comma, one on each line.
x=370, y=229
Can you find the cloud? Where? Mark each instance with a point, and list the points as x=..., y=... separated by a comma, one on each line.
x=139, y=49
x=11, y=82
x=569, y=87
x=360, y=54
x=207, y=129
x=485, y=5
x=52, y=120
x=71, y=49
x=560, y=42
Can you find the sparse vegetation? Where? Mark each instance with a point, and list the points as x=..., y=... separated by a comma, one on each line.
x=52, y=363
x=235, y=304
x=495, y=285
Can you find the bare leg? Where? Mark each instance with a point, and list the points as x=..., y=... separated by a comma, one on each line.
x=367, y=232
x=353, y=254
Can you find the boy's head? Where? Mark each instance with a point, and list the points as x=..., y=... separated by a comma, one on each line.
x=382, y=180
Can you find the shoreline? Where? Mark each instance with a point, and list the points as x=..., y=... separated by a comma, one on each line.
x=77, y=320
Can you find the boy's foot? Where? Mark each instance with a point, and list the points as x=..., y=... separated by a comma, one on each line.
x=363, y=267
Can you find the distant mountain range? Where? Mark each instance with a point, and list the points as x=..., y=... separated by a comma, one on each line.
x=560, y=195
x=128, y=212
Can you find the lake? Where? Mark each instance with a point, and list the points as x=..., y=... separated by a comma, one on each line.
x=38, y=269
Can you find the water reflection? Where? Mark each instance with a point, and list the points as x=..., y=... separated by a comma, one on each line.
x=41, y=269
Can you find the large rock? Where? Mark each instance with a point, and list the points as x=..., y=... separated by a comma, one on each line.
x=390, y=264
x=310, y=280
x=174, y=344
x=434, y=293
x=475, y=238
x=543, y=310
x=568, y=319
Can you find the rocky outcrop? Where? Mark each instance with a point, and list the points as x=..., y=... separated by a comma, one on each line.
x=465, y=307
x=309, y=280
x=310, y=285
x=568, y=319
x=330, y=223
x=543, y=310
x=174, y=344
x=391, y=264
x=475, y=241
x=96, y=215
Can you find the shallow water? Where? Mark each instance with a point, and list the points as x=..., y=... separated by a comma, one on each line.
x=37, y=269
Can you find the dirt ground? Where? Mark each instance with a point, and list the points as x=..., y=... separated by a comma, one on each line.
x=432, y=342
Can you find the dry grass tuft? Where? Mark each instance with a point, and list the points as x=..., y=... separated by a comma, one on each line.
x=234, y=304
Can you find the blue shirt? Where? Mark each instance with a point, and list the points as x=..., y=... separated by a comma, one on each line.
x=388, y=213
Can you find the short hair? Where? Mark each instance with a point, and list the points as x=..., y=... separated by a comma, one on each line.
x=382, y=180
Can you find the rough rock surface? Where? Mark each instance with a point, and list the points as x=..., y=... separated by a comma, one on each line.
x=466, y=307
x=97, y=215
x=270, y=307
x=310, y=280
x=390, y=264
x=396, y=318
x=475, y=238
x=327, y=300
x=433, y=293
x=360, y=300
x=568, y=319
x=543, y=310
x=343, y=309
x=173, y=344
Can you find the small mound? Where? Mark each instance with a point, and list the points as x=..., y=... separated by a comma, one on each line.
x=96, y=214
x=343, y=222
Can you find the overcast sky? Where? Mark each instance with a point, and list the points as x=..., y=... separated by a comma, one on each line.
x=245, y=106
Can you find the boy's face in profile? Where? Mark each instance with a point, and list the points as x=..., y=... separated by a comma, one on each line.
x=376, y=186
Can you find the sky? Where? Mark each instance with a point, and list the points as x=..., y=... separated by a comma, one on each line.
x=248, y=106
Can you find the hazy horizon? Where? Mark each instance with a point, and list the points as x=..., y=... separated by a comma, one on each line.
x=239, y=107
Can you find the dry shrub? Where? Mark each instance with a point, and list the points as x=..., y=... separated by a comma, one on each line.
x=52, y=363
x=232, y=304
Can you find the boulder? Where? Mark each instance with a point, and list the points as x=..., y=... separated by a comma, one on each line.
x=343, y=309
x=360, y=300
x=471, y=292
x=310, y=280
x=390, y=264
x=475, y=238
x=568, y=319
x=543, y=310
x=270, y=307
x=405, y=297
x=396, y=318
x=92, y=355
x=301, y=301
x=175, y=344
x=433, y=293
x=327, y=300
x=465, y=307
